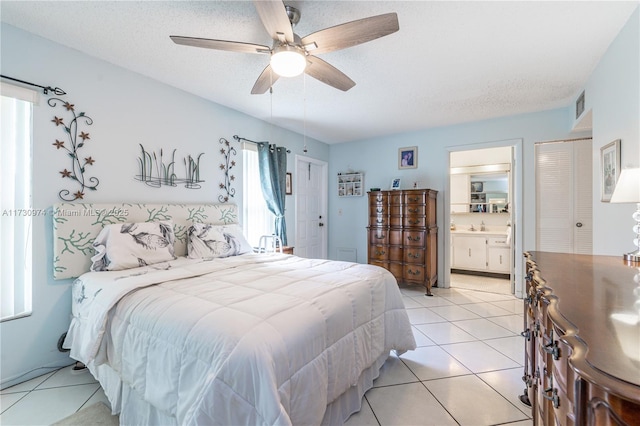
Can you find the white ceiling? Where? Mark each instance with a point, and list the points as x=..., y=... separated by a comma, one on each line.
x=450, y=62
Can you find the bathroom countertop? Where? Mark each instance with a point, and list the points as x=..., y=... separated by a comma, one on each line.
x=477, y=231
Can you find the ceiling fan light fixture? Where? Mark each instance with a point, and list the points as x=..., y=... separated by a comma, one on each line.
x=288, y=61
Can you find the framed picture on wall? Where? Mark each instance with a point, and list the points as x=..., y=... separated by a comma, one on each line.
x=288, y=188
x=609, y=169
x=408, y=157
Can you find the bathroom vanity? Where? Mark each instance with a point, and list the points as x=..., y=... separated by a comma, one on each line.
x=481, y=251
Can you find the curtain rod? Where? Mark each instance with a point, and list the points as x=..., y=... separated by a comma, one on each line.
x=58, y=91
x=238, y=138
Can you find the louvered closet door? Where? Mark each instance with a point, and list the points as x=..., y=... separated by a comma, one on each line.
x=564, y=221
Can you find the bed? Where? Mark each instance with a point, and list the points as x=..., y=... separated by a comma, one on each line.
x=265, y=339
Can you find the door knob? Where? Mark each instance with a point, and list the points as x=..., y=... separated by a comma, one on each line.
x=321, y=224
x=579, y=224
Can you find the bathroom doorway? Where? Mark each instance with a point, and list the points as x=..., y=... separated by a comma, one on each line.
x=483, y=211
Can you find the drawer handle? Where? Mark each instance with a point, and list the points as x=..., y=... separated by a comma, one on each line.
x=380, y=253
x=410, y=238
x=410, y=272
x=526, y=334
x=413, y=210
x=380, y=220
x=501, y=242
x=528, y=277
x=379, y=209
x=528, y=380
x=413, y=256
x=414, y=199
x=552, y=349
x=380, y=236
x=554, y=398
x=414, y=222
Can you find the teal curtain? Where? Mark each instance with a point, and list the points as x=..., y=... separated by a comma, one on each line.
x=273, y=169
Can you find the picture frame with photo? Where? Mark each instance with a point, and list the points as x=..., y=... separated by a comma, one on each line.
x=609, y=169
x=395, y=184
x=288, y=188
x=408, y=157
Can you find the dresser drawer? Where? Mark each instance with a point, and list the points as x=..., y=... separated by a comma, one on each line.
x=379, y=220
x=414, y=221
x=413, y=273
x=414, y=255
x=396, y=221
x=380, y=197
x=414, y=210
x=396, y=253
x=417, y=197
x=378, y=252
x=378, y=209
x=395, y=237
x=396, y=198
x=378, y=235
x=414, y=238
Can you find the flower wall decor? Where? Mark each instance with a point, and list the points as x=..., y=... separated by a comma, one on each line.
x=227, y=151
x=72, y=143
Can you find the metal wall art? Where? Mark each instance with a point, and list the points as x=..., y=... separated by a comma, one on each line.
x=227, y=151
x=75, y=143
x=155, y=173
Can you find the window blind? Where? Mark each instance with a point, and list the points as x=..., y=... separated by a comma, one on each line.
x=15, y=202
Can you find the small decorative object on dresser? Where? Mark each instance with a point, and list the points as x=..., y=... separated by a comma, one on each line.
x=395, y=184
x=403, y=235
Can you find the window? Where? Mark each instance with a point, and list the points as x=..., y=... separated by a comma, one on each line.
x=257, y=219
x=15, y=202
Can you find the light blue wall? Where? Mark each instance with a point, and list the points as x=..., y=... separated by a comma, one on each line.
x=127, y=109
x=378, y=159
x=613, y=93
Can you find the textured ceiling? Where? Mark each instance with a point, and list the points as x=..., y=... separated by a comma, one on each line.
x=450, y=62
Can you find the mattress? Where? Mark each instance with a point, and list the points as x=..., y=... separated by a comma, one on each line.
x=252, y=339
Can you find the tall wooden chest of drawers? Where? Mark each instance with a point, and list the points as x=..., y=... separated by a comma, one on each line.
x=403, y=235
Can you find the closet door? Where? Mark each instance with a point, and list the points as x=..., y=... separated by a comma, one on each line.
x=563, y=196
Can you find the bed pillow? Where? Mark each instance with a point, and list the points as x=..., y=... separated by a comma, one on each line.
x=130, y=245
x=207, y=241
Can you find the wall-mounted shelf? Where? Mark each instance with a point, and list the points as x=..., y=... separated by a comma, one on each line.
x=350, y=184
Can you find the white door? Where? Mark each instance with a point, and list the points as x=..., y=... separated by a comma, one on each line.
x=564, y=220
x=311, y=194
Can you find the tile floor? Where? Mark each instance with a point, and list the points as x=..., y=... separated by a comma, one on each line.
x=480, y=283
x=465, y=371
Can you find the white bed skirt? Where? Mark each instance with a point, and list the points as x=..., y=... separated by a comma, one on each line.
x=134, y=411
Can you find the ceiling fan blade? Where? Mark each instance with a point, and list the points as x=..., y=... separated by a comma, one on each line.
x=274, y=18
x=352, y=33
x=328, y=74
x=232, y=46
x=267, y=79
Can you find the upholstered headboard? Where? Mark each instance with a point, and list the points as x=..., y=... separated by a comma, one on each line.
x=75, y=226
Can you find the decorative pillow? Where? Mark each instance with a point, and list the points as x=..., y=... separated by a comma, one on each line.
x=207, y=241
x=130, y=245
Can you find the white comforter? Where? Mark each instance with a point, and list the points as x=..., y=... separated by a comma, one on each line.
x=252, y=339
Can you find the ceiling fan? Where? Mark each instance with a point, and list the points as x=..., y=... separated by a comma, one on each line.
x=292, y=55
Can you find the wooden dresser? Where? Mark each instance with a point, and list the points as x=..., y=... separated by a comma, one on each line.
x=582, y=347
x=403, y=235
